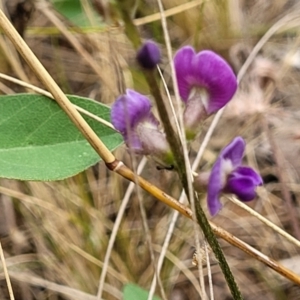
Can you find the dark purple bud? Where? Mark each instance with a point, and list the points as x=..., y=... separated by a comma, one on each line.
x=149, y=55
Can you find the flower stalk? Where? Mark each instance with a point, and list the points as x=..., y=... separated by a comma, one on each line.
x=173, y=140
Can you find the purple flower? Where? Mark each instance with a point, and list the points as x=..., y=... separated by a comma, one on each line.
x=206, y=83
x=131, y=115
x=148, y=55
x=229, y=176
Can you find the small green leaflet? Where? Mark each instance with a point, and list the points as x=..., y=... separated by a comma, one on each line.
x=38, y=141
x=134, y=292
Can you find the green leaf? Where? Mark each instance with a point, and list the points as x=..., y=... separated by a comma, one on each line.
x=134, y=292
x=38, y=141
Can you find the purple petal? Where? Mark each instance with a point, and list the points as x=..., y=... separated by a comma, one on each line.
x=243, y=182
x=128, y=110
x=183, y=61
x=234, y=151
x=215, y=186
x=211, y=71
x=242, y=187
x=133, y=142
x=149, y=55
x=249, y=172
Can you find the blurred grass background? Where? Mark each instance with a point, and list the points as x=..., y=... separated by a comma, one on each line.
x=55, y=234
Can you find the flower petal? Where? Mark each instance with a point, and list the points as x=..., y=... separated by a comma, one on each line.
x=234, y=151
x=183, y=61
x=128, y=110
x=242, y=187
x=249, y=172
x=243, y=182
x=153, y=142
x=212, y=72
x=215, y=187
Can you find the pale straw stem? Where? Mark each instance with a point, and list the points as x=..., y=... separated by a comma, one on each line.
x=115, y=229
x=8, y=283
x=54, y=89
x=47, y=94
x=264, y=220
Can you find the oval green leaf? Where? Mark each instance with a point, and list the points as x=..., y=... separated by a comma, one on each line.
x=38, y=141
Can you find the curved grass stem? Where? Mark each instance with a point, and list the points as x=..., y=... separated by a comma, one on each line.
x=125, y=172
x=8, y=283
x=54, y=89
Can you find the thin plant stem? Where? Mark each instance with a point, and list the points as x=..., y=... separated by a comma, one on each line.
x=46, y=10
x=184, y=168
x=170, y=102
x=182, y=196
x=64, y=291
x=214, y=244
x=127, y=173
x=150, y=247
x=150, y=75
x=162, y=196
x=47, y=94
x=8, y=283
x=210, y=282
x=182, y=268
x=172, y=136
x=282, y=177
x=189, y=191
x=169, y=12
x=279, y=268
x=199, y=213
x=164, y=249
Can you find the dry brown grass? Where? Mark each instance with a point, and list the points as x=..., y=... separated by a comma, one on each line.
x=55, y=234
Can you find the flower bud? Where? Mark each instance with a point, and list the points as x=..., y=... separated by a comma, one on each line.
x=149, y=55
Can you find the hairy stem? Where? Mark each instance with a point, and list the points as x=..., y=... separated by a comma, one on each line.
x=215, y=246
x=176, y=148
x=150, y=75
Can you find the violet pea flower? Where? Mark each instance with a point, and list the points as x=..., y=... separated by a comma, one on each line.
x=229, y=176
x=131, y=115
x=206, y=83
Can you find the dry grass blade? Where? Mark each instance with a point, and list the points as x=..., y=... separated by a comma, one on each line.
x=32, y=200
x=6, y=275
x=115, y=229
x=45, y=93
x=169, y=12
x=183, y=268
x=256, y=254
x=60, y=289
x=45, y=9
x=265, y=221
x=57, y=93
